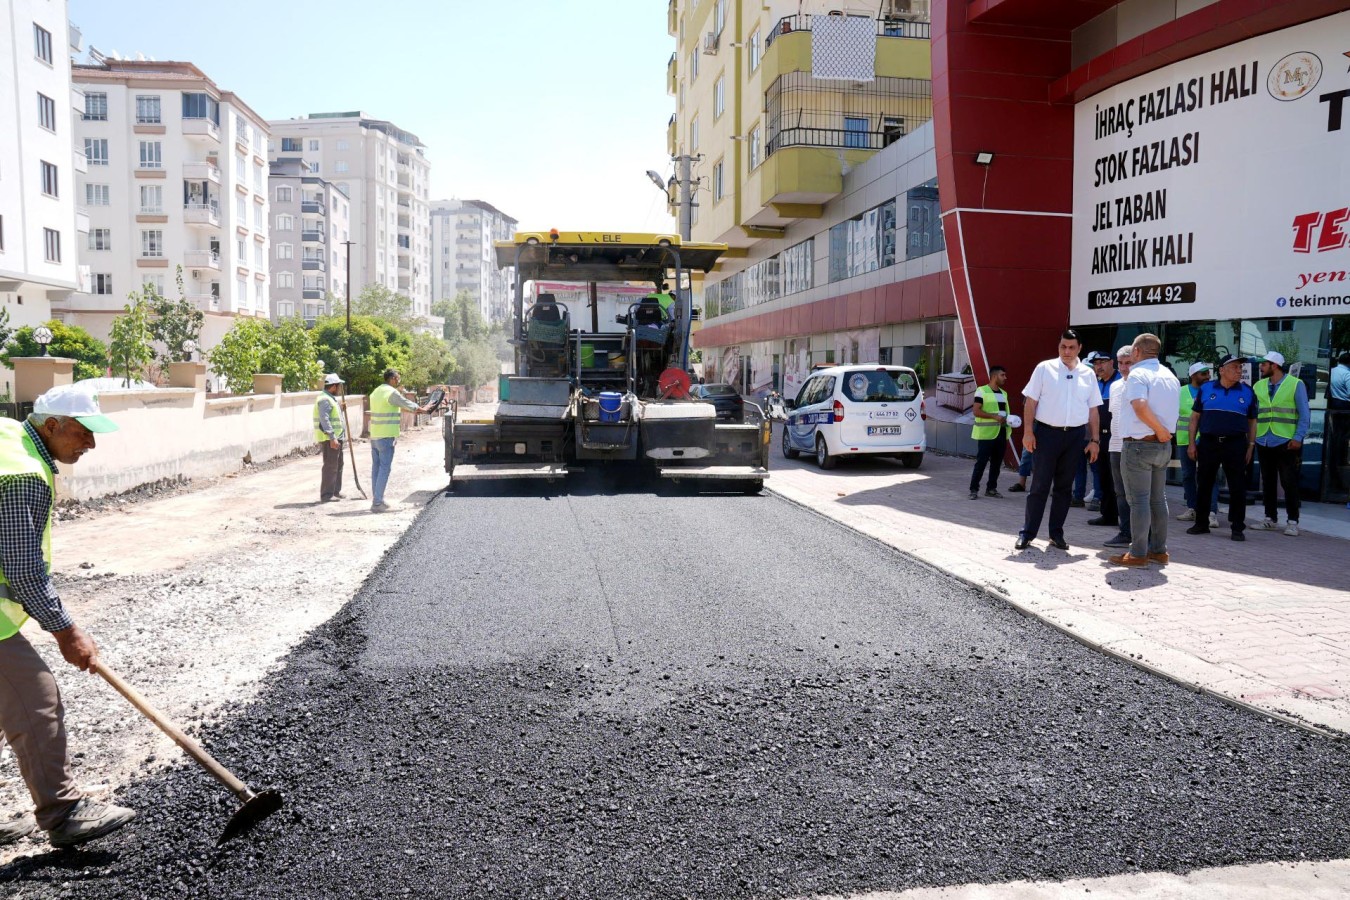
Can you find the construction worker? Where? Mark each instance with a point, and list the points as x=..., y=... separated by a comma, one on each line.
x=1199, y=376
x=330, y=433
x=386, y=421
x=1282, y=421
x=666, y=299
x=990, y=431
x=60, y=430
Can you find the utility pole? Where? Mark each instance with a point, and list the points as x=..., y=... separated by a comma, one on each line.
x=348, y=245
x=687, y=204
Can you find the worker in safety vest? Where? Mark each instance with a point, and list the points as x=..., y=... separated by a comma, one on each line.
x=666, y=299
x=1200, y=373
x=1282, y=420
x=386, y=406
x=330, y=433
x=990, y=432
x=60, y=430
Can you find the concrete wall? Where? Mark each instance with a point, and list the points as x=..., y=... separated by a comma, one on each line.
x=172, y=433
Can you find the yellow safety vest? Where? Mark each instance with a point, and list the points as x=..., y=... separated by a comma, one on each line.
x=1184, y=420
x=385, y=417
x=990, y=401
x=20, y=456
x=1277, y=415
x=334, y=419
x=666, y=301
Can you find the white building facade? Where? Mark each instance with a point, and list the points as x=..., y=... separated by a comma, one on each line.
x=40, y=220
x=462, y=234
x=176, y=176
x=384, y=173
x=311, y=226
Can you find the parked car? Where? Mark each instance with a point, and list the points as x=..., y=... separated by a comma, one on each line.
x=862, y=410
x=724, y=398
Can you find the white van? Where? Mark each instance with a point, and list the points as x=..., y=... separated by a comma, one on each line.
x=864, y=410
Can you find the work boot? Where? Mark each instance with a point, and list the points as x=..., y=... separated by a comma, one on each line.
x=88, y=820
x=17, y=828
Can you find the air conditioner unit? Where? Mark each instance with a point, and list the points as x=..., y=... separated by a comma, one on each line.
x=196, y=274
x=710, y=43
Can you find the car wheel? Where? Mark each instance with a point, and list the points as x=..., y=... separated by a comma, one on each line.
x=823, y=457
x=911, y=460
x=789, y=451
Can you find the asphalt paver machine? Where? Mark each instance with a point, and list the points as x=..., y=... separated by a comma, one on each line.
x=598, y=380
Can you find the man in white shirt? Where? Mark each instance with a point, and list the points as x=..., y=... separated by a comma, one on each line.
x=1115, y=445
x=1061, y=401
x=1147, y=422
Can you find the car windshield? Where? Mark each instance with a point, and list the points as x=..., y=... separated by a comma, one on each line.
x=719, y=390
x=880, y=386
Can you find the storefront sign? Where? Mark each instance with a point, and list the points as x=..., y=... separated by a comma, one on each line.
x=1218, y=187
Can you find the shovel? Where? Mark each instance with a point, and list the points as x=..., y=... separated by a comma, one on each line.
x=351, y=446
x=255, y=808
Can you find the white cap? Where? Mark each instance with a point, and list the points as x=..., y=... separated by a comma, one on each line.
x=1276, y=357
x=332, y=378
x=1200, y=367
x=76, y=402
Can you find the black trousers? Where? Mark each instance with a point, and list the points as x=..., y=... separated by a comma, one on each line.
x=1053, y=466
x=988, y=453
x=330, y=482
x=1282, y=463
x=1228, y=452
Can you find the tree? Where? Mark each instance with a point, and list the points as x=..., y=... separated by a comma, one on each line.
x=174, y=322
x=429, y=361
x=129, y=347
x=6, y=332
x=378, y=302
x=476, y=364
x=375, y=345
x=291, y=353
x=238, y=356
x=69, y=341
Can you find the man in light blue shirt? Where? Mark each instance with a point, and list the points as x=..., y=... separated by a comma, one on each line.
x=1147, y=422
x=1338, y=419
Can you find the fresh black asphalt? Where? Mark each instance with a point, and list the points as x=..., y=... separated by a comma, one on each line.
x=613, y=690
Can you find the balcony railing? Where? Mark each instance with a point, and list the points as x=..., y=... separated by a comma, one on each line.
x=898, y=28
x=201, y=170
x=202, y=259
x=313, y=206
x=312, y=293
x=317, y=237
x=313, y=264
x=201, y=127
x=201, y=214
x=831, y=137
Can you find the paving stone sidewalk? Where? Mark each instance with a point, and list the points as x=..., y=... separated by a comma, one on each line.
x=1277, y=642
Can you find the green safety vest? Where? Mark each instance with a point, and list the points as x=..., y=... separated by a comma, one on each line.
x=20, y=456
x=666, y=301
x=990, y=400
x=334, y=419
x=385, y=417
x=1184, y=420
x=1277, y=415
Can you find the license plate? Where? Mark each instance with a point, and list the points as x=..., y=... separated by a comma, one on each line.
x=884, y=429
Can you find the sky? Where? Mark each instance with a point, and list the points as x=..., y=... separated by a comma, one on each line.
x=550, y=110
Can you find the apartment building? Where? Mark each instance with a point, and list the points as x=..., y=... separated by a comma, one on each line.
x=462, y=259
x=311, y=226
x=40, y=219
x=176, y=177
x=384, y=173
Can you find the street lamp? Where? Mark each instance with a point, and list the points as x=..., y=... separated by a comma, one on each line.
x=189, y=347
x=43, y=336
x=657, y=179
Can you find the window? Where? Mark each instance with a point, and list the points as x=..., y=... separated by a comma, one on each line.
x=755, y=49
x=96, y=195
x=152, y=155
x=285, y=309
x=96, y=151
x=285, y=223
x=342, y=145
x=718, y=182
x=798, y=267
x=681, y=106
x=291, y=145
x=152, y=244
x=241, y=169
x=719, y=17
x=2, y=234
x=693, y=135
x=864, y=243
x=47, y=112
x=240, y=292
x=103, y=283
x=95, y=107
x=284, y=194
x=314, y=168
x=855, y=132
x=42, y=43
x=257, y=256
x=693, y=65
x=201, y=106
x=340, y=166
x=285, y=251
x=100, y=239
x=51, y=242
x=257, y=217
x=152, y=199
x=155, y=282
x=240, y=209
x=313, y=146
x=892, y=129
x=719, y=96
x=49, y=181
x=756, y=147
x=147, y=110
x=241, y=251
x=923, y=221
x=285, y=279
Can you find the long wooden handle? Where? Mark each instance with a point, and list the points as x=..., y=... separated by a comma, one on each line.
x=192, y=748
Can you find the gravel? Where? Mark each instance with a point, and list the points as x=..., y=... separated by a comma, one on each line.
x=607, y=693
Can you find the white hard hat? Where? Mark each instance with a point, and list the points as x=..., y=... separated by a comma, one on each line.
x=77, y=403
x=1015, y=421
x=332, y=378
x=1276, y=357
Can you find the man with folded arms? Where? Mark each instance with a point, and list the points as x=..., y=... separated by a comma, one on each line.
x=1148, y=419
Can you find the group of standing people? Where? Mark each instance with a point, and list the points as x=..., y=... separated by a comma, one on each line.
x=1139, y=406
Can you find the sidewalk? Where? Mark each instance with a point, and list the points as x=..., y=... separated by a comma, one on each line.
x=1279, y=644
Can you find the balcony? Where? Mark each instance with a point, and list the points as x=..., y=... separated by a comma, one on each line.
x=404, y=181
x=672, y=19
x=81, y=162
x=312, y=293
x=201, y=129
x=313, y=264
x=205, y=302
x=201, y=214
x=202, y=259
x=404, y=223
x=314, y=237
x=201, y=170
x=672, y=76
x=314, y=207
x=914, y=29
x=672, y=137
